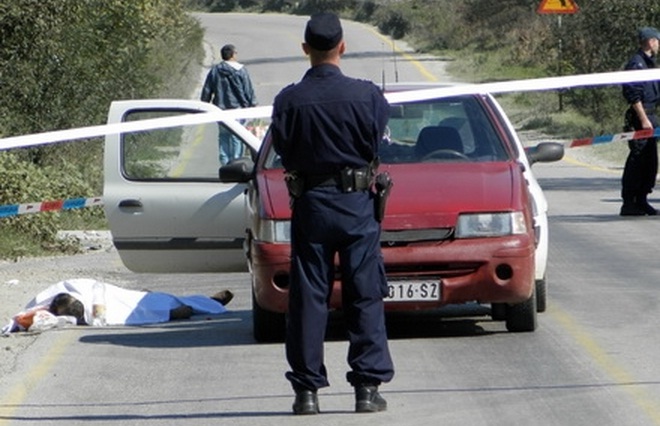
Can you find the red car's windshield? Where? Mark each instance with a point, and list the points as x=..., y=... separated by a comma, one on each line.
x=449, y=130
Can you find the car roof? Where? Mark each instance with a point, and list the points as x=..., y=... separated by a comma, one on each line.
x=412, y=92
x=405, y=86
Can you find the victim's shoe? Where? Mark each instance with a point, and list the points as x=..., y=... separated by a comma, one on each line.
x=223, y=297
x=306, y=402
x=368, y=400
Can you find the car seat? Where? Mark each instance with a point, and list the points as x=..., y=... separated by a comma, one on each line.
x=434, y=138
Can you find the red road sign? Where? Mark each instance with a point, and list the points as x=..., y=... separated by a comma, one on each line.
x=558, y=6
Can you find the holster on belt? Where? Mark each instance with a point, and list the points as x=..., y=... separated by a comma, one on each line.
x=295, y=184
x=352, y=180
x=347, y=179
x=383, y=185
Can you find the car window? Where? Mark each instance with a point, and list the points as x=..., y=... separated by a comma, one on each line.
x=449, y=129
x=179, y=153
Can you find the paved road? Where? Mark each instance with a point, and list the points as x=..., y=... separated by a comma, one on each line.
x=591, y=362
x=272, y=52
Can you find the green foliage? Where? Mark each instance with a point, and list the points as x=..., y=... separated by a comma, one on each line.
x=64, y=62
x=25, y=182
x=229, y=5
x=61, y=65
x=603, y=35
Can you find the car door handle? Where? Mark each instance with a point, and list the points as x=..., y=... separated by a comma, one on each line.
x=130, y=204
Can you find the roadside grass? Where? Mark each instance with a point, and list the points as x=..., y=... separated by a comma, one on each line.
x=85, y=219
x=545, y=113
x=15, y=245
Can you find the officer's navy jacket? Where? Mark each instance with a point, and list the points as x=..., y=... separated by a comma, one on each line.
x=646, y=92
x=351, y=133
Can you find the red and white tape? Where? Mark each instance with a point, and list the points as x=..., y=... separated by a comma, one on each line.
x=49, y=206
x=530, y=85
x=617, y=137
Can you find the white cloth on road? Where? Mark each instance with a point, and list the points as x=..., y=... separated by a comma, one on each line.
x=127, y=307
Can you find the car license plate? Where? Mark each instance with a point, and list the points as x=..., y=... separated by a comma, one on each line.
x=413, y=291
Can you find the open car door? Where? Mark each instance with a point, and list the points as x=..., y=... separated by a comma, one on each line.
x=166, y=208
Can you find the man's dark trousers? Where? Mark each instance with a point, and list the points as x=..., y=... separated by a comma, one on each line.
x=641, y=166
x=326, y=221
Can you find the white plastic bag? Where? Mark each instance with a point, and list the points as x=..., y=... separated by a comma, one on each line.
x=44, y=320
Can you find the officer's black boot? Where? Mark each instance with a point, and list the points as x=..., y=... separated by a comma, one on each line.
x=643, y=204
x=306, y=402
x=631, y=208
x=368, y=400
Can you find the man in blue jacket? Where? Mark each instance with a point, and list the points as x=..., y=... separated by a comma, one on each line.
x=228, y=86
x=641, y=167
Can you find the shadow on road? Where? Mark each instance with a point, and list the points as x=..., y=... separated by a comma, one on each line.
x=235, y=328
x=581, y=184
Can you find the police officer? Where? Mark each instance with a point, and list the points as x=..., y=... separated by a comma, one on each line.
x=327, y=129
x=642, y=163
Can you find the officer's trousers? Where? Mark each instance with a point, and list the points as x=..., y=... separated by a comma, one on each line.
x=326, y=222
x=641, y=168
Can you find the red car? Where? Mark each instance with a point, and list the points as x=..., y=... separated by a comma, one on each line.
x=465, y=221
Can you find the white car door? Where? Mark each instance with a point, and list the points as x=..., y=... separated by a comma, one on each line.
x=166, y=208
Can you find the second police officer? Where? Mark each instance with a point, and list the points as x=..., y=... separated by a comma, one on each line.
x=641, y=166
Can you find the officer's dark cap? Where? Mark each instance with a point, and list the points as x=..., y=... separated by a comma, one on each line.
x=323, y=31
x=648, y=33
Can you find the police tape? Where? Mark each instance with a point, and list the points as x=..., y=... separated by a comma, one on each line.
x=75, y=203
x=530, y=85
x=49, y=206
x=617, y=137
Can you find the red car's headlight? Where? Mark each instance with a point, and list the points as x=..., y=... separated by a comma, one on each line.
x=274, y=231
x=481, y=225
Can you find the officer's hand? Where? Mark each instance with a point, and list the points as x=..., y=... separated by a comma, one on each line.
x=646, y=123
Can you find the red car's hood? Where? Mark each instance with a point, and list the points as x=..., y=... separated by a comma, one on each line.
x=431, y=195
x=425, y=195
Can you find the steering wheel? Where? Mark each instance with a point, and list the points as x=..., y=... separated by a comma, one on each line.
x=445, y=153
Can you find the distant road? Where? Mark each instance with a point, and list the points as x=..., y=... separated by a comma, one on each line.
x=274, y=65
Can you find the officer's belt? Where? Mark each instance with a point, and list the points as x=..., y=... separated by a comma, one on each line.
x=349, y=180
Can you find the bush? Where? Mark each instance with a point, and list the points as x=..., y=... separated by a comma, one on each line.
x=25, y=182
x=62, y=64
